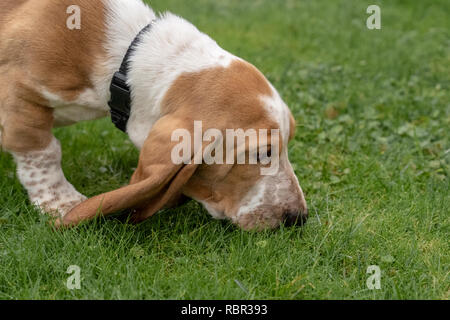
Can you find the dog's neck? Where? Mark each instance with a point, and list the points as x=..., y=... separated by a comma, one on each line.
x=172, y=47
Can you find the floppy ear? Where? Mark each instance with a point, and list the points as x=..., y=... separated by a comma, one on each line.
x=156, y=181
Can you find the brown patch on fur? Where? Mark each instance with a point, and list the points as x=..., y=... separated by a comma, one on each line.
x=38, y=51
x=27, y=128
x=231, y=92
x=31, y=184
x=38, y=38
x=56, y=186
x=6, y=8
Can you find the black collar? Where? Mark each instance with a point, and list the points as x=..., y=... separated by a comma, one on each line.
x=120, y=103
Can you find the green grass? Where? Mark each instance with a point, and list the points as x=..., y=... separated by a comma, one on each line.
x=372, y=153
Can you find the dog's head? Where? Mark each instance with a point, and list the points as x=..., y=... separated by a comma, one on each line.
x=223, y=141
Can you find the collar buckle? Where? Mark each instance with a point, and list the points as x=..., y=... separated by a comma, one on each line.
x=120, y=102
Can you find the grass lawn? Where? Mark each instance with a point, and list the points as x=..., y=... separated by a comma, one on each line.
x=372, y=154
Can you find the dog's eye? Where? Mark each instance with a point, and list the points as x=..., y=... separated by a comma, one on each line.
x=264, y=157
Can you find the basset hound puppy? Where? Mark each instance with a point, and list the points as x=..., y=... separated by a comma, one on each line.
x=170, y=76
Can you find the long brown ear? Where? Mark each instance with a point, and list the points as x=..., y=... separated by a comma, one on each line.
x=156, y=181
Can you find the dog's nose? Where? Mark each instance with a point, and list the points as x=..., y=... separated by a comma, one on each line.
x=295, y=218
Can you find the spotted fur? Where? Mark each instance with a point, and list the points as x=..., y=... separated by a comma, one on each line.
x=41, y=174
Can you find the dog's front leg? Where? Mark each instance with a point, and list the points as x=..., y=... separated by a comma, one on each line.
x=41, y=174
x=26, y=133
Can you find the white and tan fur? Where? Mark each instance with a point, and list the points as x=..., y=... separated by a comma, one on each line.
x=171, y=56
